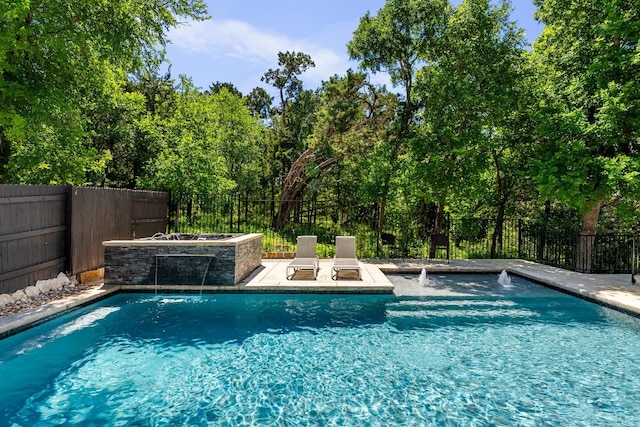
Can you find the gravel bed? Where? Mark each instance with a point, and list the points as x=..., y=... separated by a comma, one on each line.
x=42, y=299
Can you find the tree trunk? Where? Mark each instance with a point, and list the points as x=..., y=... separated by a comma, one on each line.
x=542, y=234
x=292, y=188
x=422, y=220
x=437, y=229
x=381, y=216
x=295, y=183
x=190, y=210
x=177, y=218
x=5, y=149
x=383, y=207
x=496, y=238
x=501, y=180
x=587, y=237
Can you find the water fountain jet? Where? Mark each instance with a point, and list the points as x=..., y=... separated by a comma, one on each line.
x=424, y=280
x=504, y=279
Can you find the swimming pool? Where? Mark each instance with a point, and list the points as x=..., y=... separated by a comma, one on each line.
x=470, y=353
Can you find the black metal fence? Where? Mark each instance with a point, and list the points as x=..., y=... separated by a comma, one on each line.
x=602, y=253
x=401, y=235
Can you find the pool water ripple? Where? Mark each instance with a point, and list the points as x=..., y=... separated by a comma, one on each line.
x=531, y=357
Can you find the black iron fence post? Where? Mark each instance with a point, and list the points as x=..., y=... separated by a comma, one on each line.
x=230, y=203
x=239, y=213
x=633, y=258
x=519, y=238
x=376, y=221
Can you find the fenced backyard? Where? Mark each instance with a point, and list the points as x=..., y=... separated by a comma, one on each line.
x=48, y=229
x=399, y=235
x=45, y=230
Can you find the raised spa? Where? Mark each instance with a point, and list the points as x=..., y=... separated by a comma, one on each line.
x=182, y=260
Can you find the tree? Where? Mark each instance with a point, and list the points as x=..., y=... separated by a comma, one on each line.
x=113, y=126
x=402, y=36
x=259, y=103
x=158, y=90
x=218, y=86
x=290, y=129
x=238, y=133
x=207, y=145
x=589, y=61
x=350, y=118
x=56, y=59
x=469, y=98
x=290, y=123
x=190, y=159
x=160, y=98
x=285, y=78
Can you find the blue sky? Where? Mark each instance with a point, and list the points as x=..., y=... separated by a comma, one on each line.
x=244, y=37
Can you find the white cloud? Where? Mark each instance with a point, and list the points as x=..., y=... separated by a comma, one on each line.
x=244, y=43
x=327, y=63
x=229, y=38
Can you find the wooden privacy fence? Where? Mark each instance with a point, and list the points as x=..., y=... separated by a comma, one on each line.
x=48, y=229
x=33, y=234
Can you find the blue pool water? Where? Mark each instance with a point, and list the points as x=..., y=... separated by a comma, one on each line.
x=472, y=353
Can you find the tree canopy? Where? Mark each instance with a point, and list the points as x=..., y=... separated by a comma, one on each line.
x=589, y=61
x=57, y=60
x=477, y=123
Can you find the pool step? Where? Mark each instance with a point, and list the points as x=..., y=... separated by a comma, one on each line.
x=439, y=311
x=465, y=311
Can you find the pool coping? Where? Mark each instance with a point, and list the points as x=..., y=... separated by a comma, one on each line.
x=19, y=322
x=610, y=290
x=235, y=240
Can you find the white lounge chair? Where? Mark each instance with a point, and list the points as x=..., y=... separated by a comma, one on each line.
x=345, y=258
x=306, y=258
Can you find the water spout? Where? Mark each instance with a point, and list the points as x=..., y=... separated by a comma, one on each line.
x=504, y=279
x=204, y=276
x=424, y=280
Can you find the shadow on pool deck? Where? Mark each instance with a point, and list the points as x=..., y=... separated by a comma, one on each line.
x=613, y=290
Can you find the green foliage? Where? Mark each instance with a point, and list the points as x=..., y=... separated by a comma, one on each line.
x=379, y=166
x=467, y=142
x=341, y=107
x=259, y=102
x=588, y=57
x=112, y=126
x=285, y=78
x=217, y=87
x=481, y=125
x=58, y=60
x=352, y=115
x=238, y=133
x=208, y=144
x=292, y=121
x=402, y=35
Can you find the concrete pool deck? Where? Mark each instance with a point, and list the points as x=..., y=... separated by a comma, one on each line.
x=613, y=290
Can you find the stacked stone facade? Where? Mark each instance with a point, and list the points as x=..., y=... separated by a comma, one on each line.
x=218, y=263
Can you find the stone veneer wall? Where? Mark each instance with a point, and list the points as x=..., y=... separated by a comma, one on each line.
x=134, y=262
x=248, y=258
